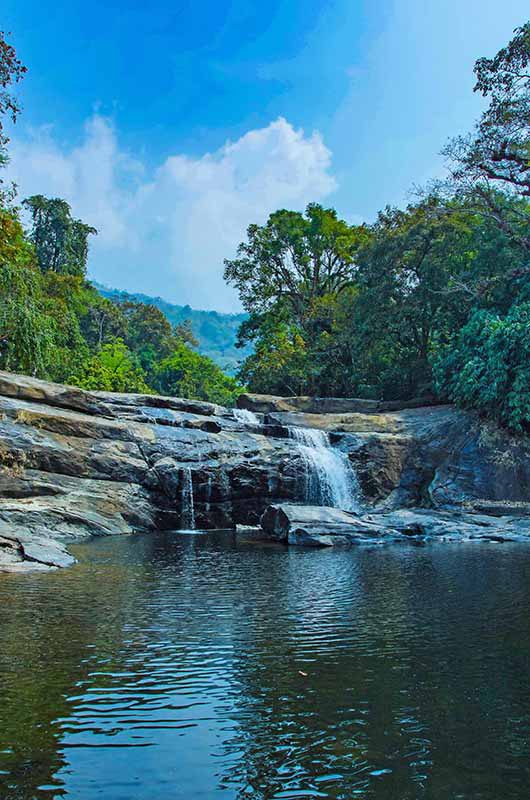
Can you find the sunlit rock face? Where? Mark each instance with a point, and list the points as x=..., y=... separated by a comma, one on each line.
x=76, y=463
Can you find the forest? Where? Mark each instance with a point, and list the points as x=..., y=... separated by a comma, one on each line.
x=215, y=332
x=431, y=300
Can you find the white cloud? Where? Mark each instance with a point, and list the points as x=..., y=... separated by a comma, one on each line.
x=167, y=232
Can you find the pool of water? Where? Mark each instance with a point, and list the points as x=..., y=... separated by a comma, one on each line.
x=194, y=666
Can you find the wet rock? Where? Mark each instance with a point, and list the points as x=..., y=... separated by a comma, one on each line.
x=11, y=552
x=22, y=550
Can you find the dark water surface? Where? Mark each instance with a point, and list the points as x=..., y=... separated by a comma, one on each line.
x=169, y=666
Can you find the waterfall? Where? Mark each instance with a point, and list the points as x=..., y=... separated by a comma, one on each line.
x=187, y=520
x=328, y=477
x=246, y=417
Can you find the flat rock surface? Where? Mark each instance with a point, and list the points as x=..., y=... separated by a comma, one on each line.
x=317, y=526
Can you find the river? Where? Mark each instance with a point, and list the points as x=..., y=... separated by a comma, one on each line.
x=194, y=666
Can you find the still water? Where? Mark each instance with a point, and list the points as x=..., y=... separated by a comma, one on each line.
x=191, y=666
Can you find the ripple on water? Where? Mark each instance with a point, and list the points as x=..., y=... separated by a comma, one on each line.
x=167, y=666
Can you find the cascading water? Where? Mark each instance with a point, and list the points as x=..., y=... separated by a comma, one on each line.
x=328, y=477
x=187, y=504
x=247, y=417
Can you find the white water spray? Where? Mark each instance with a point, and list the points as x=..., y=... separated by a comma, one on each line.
x=246, y=417
x=328, y=477
x=187, y=504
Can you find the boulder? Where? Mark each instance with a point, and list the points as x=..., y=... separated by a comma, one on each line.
x=321, y=526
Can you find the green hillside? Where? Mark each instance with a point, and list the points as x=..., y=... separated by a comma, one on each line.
x=215, y=332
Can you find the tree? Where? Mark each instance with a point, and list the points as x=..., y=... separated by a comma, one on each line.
x=11, y=71
x=26, y=333
x=293, y=260
x=487, y=367
x=501, y=150
x=188, y=374
x=101, y=320
x=289, y=275
x=14, y=247
x=61, y=242
x=280, y=363
x=149, y=333
x=495, y=159
x=409, y=279
x=184, y=331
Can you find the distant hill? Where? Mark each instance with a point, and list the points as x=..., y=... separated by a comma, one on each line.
x=215, y=332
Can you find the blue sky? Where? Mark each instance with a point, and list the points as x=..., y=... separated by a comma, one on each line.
x=171, y=126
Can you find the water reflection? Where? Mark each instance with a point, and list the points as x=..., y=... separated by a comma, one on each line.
x=196, y=666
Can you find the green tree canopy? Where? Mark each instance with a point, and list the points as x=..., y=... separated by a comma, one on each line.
x=188, y=374
x=294, y=259
x=487, y=367
x=113, y=369
x=61, y=242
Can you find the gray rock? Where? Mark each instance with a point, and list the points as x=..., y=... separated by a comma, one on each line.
x=266, y=403
x=321, y=526
x=23, y=551
x=455, y=525
x=52, y=394
x=316, y=526
x=76, y=463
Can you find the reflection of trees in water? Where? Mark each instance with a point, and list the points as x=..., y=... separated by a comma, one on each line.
x=59, y=628
x=392, y=686
x=406, y=651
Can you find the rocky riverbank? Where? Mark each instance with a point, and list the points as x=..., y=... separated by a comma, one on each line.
x=75, y=464
x=317, y=526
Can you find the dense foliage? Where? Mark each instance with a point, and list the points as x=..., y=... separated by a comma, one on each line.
x=214, y=333
x=487, y=366
x=186, y=373
x=428, y=299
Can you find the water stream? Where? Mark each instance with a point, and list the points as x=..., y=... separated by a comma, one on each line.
x=247, y=417
x=187, y=502
x=328, y=478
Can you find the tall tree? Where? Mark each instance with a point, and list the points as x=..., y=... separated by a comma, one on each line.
x=293, y=260
x=61, y=242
